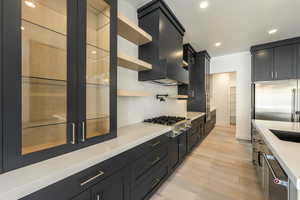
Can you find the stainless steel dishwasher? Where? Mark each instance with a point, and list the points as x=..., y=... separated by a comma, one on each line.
x=277, y=182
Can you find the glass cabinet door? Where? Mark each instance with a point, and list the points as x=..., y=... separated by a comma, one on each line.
x=44, y=74
x=97, y=79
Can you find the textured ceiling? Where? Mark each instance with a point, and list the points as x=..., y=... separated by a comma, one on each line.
x=237, y=24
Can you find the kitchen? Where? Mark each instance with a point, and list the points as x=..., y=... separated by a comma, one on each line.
x=111, y=100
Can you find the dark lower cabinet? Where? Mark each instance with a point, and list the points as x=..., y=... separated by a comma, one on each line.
x=83, y=196
x=133, y=175
x=115, y=187
x=209, y=125
x=147, y=186
x=182, y=145
x=173, y=152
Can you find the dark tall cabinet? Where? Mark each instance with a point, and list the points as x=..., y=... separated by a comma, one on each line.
x=200, y=84
x=59, y=88
x=189, y=57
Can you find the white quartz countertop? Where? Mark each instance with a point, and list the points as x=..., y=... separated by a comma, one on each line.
x=287, y=153
x=194, y=115
x=21, y=182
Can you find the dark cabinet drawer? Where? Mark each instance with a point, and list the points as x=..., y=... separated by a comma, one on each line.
x=115, y=187
x=73, y=185
x=150, y=145
x=145, y=163
x=150, y=184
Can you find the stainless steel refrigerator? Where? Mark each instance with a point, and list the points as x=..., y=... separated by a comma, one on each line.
x=277, y=100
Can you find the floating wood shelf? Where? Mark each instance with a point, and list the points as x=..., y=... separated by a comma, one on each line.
x=133, y=93
x=132, y=32
x=184, y=63
x=178, y=97
x=132, y=63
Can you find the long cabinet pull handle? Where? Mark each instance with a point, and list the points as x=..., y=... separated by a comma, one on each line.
x=276, y=180
x=155, y=161
x=101, y=173
x=155, y=144
x=73, y=133
x=83, y=132
x=156, y=181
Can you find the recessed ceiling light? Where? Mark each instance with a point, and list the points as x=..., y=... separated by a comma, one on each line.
x=204, y=4
x=273, y=31
x=30, y=4
x=218, y=44
x=22, y=28
x=94, y=52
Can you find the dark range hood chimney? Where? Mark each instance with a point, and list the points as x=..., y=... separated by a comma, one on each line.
x=165, y=52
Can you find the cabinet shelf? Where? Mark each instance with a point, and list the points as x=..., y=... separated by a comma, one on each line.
x=178, y=97
x=132, y=32
x=133, y=93
x=41, y=123
x=132, y=63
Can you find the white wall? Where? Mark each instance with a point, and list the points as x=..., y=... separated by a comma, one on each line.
x=241, y=64
x=136, y=109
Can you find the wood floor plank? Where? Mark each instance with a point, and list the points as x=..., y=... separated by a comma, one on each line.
x=219, y=169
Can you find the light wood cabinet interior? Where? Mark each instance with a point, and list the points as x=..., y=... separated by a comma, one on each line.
x=131, y=31
x=132, y=63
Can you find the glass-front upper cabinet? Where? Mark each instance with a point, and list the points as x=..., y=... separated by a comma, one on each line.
x=44, y=74
x=59, y=82
x=97, y=68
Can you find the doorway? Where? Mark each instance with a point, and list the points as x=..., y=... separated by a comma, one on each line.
x=224, y=98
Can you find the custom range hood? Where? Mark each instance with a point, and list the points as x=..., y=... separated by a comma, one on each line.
x=165, y=52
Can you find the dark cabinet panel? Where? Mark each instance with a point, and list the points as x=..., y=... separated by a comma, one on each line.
x=145, y=189
x=263, y=64
x=1, y=67
x=182, y=146
x=298, y=61
x=148, y=161
x=199, y=84
x=84, y=196
x=173, y=152
x=115, y=187
x=285, y=62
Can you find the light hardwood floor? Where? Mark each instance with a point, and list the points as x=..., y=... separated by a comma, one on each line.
x=219, y=169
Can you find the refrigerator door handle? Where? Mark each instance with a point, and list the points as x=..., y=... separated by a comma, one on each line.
x=293, y=107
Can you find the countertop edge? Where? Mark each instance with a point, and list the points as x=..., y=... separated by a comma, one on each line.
x=290, y=173
x=34, y=186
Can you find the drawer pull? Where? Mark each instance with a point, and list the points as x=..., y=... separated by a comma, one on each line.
x=155, y=161
x=155, y=144
x=156, y=181
x=93, y=178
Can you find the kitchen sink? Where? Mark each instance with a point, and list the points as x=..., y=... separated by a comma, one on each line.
x=287, y=136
